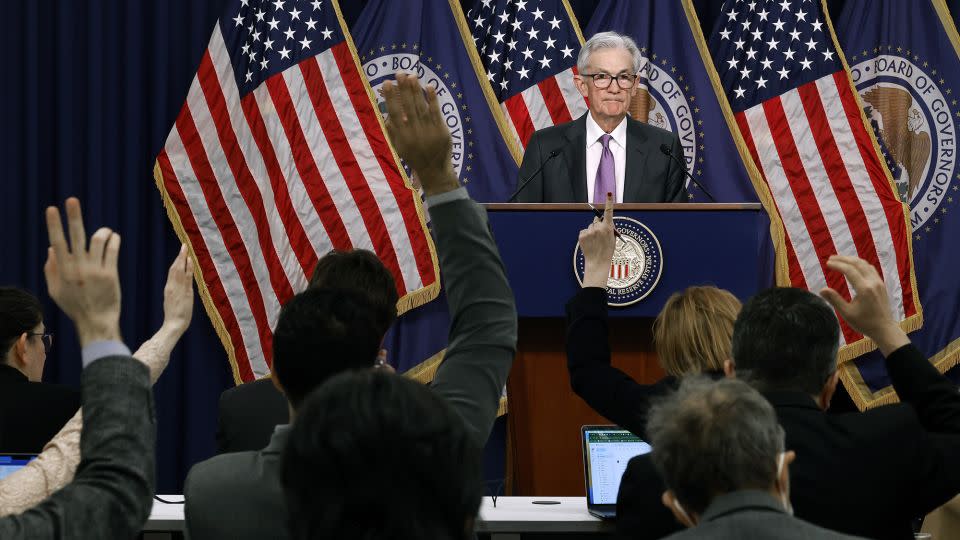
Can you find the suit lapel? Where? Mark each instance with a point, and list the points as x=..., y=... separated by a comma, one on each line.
x=633, y=174
x=576, y=157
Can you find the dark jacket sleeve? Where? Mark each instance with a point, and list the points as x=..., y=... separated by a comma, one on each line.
x=483, y=326
x=248, y=415
x=606, y=389
x=532, y=159
x=676, y=190
x=640, y=513
x=931, y=394
x=935, y=442
x=111, y=494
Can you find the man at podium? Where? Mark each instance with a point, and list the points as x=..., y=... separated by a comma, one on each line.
x=604, y=150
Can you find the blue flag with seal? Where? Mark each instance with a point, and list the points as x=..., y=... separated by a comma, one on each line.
x=426, y=38
x=677, y=93
x=904, y=59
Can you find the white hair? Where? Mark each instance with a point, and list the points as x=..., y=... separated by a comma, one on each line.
x=608, y=40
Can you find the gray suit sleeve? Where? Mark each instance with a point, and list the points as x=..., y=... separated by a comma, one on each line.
x=483, y=330
x=112, y=492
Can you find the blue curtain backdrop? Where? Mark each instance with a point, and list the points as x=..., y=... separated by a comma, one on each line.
x=91, y=90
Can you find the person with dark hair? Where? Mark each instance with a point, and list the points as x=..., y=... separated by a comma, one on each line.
x=869, y=474
x=250, y=412
x=326, y=331
x=56, y=465
x=691, y=336
x=111, y=494
x=31, y=411
x=430, y=487
x=720, y=451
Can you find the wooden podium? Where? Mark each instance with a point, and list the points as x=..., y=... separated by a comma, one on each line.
x=727, y=245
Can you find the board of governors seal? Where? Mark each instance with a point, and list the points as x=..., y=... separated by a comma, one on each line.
x=636, y=266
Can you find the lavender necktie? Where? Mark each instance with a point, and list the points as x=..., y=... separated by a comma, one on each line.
x=606, y=181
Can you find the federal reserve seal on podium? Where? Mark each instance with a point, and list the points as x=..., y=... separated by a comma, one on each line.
x=636, y=266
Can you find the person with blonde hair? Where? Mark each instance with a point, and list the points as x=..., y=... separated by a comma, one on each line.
x=692, y=336
x=693, y=332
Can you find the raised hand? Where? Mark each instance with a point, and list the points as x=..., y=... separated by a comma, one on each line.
x=869, y=311
x=178, y=293
x=419, y=134
x=597, y=242
x=83, y=280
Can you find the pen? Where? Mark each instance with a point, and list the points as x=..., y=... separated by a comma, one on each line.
x=599, y=214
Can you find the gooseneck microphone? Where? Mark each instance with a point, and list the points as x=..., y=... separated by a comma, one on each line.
x=554, y=153
x=666, y=150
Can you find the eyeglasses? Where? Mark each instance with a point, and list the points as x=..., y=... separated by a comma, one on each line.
x=603, y=80
x=46, y=338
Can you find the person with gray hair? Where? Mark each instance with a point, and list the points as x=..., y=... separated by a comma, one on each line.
x=870, y=473
x=604, y=151
x=720, y=451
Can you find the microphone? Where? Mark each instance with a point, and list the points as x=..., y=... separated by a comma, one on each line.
x=666, y=150
x=554, y=153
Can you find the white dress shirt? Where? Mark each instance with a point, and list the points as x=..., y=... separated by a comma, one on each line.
x=618, y=146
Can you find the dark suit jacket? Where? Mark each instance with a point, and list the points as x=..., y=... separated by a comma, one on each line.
x=238, y=495
x=112, y=492
x=649, y=175
x=607, y=390
x=32, y=413
x=248, y=415
x=868, y=474
x=755, y=515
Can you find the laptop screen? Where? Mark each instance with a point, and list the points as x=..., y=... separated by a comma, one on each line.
x=606, y=451
x=10, y=463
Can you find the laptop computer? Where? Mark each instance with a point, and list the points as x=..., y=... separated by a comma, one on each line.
x=606, y=452
x=10, y=463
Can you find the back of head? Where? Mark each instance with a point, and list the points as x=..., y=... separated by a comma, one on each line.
x=374, y=455
x=322, y=332
x=786, y=339
x=20, y=312
x=692, y=332
x=360, y=270
x=714, y=437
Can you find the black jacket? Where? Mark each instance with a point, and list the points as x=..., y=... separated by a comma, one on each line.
x=248, y=415
x=649, y=175
x=112, y=492
x=606, y=389
x=31, y=413
x=867, y=474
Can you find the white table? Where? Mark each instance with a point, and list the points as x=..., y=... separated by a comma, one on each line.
x=515, y=515
x=164, y=517
x=511, y=517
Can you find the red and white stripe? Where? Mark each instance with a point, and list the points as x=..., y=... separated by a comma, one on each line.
x=552, y=101
x=267, y=184
x=830, y=189
x=620, y=270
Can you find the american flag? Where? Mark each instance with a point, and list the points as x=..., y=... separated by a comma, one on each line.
x=529, y=53
x=277, y=157
x=800, y=119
